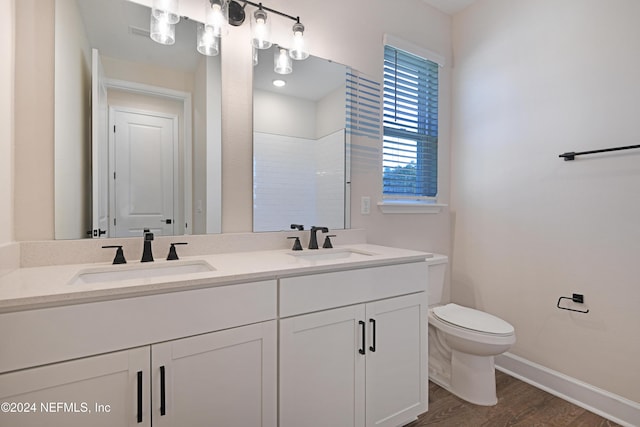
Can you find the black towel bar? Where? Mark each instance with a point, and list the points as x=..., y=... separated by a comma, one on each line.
x=572, y=155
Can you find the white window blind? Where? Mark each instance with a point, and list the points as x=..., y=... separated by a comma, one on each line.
x=410, y=142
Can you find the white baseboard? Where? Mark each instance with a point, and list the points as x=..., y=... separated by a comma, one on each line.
x=608, y=405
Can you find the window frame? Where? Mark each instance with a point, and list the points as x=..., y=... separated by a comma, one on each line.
x=410, y=203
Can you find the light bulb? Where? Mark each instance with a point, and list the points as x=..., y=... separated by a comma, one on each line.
x=260, y=30
x=282, y=61
x=166, y=10
x=207, y=43
x=298, y=50
x=162, y=31
x=216, y=17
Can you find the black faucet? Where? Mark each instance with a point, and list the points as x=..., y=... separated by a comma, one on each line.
x=313, y=240
x=298, y=227
x=147, y=254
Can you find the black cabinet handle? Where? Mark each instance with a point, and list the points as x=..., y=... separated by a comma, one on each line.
x=163, y=407
x=373, y=341
x=364, y=345
x=139, y=396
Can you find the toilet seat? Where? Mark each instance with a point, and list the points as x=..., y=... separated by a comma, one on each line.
x=474, y=320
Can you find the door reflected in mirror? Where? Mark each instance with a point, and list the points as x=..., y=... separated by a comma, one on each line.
x=137, y=145
x=300, y=171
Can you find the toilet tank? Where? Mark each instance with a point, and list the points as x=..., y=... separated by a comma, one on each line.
x=437, y=269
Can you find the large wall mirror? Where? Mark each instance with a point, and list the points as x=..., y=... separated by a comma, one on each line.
x=137, y=125
x=156, y=114
x=300, y=149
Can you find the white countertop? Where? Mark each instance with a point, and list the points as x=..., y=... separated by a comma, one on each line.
x=39, y=287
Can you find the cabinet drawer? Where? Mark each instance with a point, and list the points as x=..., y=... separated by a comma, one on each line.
x=305, y=294
x=49, y=335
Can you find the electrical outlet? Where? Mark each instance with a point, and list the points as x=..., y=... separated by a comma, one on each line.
x=365, y=205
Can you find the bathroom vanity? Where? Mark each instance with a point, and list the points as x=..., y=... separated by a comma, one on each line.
x=261, y=339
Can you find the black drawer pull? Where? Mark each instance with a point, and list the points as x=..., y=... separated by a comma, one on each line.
x=373, y=340
x=163, y=407
x=364, y=345
x=139, y=396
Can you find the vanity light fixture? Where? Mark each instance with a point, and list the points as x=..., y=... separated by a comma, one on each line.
x=164, y=17
x=219, y=14
x=298, y=49
x=282, y=61
x=207, y=43
x=161, y=31
x=260, y=29
x=279, y=83
x=165, y=11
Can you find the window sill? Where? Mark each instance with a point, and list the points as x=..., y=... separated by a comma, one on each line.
x=412, y=207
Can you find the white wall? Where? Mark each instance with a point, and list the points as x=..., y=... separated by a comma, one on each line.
x=283, y=115
x=534, y=79
x=298, y=180
x=72, y=123
x=200, y=148
x=331, y=112
x=7, y=38
x=34, y=128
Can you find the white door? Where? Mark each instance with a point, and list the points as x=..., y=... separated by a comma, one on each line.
x=322, y=369
x=110, y=390
x=99, y=149
x=143, y=171
x=396, y=360
x=225, y=378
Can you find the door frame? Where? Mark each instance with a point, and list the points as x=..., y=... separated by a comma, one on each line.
x=113, y=110
x=184, y=216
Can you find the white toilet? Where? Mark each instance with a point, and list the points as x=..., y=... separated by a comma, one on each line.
x=463, y=342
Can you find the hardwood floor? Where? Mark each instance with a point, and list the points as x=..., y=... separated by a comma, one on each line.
x=519, y=404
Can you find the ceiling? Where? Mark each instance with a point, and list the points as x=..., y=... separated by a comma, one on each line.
x=120, y=29
x=450, y=7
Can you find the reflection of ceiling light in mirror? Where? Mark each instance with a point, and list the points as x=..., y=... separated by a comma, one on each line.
x=279, y=83
x=162, y=31
x=207, y=42
x=254, y=55
x=282, y=61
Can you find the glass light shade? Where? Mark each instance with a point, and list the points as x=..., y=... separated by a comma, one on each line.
x=162, y=31
x=165, y=10
x=207, y=43
x=260, y=30
x=282, y=61
x=217, y=16
x=298, y=49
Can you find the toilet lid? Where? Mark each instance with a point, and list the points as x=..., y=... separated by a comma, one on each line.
x=476, y=320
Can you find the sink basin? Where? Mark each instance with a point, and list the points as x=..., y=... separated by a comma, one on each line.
x=331, y=254
x=139, y=271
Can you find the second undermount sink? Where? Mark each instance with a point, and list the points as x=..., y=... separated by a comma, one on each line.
x=117, y=273
x=331, y=254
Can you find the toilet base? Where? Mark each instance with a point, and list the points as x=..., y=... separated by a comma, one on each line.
x=473, y=378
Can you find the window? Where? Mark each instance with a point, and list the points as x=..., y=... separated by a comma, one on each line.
x=410, y=142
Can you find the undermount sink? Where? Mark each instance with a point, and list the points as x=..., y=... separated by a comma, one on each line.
x=331, y=254
x=139, y=271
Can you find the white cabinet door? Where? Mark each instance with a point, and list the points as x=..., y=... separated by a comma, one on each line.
x=110, y=390
x=322, y=369
x=225, y=378
x=397, y=374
